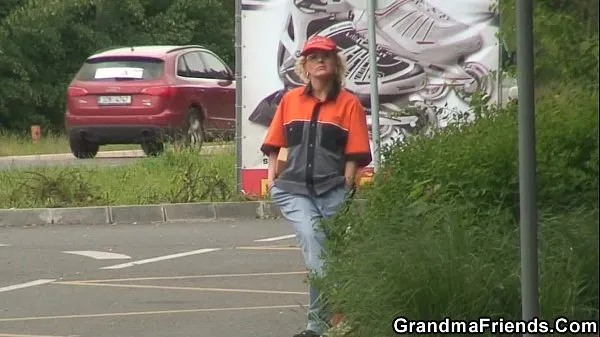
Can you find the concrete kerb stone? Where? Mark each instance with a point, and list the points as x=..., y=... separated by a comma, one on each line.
x=137, y=213
x=239, y=210
x=36, y=216
x=159, y=213
x=190, y=211
x=271, y=210
x=77, y=215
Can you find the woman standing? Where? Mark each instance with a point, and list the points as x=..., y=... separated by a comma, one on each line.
x=324, y=128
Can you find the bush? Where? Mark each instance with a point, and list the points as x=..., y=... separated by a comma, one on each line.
x=33, y=81
x=446, y=262
x=566, y=39
x=478, y=164
x=439, y=236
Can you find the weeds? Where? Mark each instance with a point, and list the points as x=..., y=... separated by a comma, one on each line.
x=194, y=183
x=174, y=177
x=66, y=188
x=20, y=144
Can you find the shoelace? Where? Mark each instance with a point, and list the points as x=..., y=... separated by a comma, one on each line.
x=432, y=9
x=315, y=5
x=360, y=40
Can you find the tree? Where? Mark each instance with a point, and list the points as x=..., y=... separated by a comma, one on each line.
x=44, y=42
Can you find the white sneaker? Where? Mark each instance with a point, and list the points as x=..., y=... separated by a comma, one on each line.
x=420, y=32
x=322, y=6
x=305, y=18
x=397, y=76
x=416, y=30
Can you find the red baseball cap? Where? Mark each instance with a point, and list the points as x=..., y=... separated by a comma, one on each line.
x=317, y=42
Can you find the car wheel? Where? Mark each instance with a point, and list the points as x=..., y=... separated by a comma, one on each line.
x=83, y=149
x=195, y=133
x=153, y=148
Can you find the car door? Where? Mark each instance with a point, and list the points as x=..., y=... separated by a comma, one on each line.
x=223, y=86
x=192, y=71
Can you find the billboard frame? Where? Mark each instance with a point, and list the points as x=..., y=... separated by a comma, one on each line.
x=245, y=177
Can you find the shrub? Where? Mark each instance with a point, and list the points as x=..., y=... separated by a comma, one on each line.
x=443, y=261
x=439, y=237
x=478, y=164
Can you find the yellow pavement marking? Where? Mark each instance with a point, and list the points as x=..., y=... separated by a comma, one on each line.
x=275, y=246
x=190, y=277
x=138, y=313
x=269, y=248
x=17, y=335
x=183, y=288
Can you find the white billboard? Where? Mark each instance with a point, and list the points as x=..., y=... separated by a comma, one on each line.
x=432, y=53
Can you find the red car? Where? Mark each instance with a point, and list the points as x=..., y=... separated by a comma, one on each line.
x=149, y=95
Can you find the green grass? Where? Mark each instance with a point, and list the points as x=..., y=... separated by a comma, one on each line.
x=174, y=177
x=12, y=144
x=447, y=261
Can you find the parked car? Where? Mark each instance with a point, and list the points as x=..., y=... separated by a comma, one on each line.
x=149, y=95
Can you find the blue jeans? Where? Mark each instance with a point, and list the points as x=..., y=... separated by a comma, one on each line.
x=304, y=213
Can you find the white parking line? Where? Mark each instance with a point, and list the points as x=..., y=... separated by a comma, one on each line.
x=161, y=258
x=4, y=245
x=26, y=285
x=277, y=238
x=98, y=255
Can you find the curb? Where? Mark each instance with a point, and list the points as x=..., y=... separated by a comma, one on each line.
x=114, y=154
x=132, y=214
x=64, y=156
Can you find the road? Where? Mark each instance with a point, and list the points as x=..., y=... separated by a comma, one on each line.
x=105, y=158
x=203, y=279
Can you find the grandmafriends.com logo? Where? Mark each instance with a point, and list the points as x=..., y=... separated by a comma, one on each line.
x=405, y=326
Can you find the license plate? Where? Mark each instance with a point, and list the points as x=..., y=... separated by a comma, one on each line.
x=114, y=100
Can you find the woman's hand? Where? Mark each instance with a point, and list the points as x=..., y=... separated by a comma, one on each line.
x=272, y=165
x=350, y=173
x=348, y=181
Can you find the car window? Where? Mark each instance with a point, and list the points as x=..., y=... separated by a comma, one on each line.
x=182, y=68
x=214, y=67
x=195, y=65
x=125, y=68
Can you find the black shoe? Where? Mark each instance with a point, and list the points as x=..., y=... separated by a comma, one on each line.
x=307, y=333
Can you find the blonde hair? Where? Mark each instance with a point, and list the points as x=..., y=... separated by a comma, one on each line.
x=340, y=70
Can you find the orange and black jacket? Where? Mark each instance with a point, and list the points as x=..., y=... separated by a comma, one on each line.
x=320, y=138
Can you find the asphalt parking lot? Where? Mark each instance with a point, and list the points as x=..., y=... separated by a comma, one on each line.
x=208, y=279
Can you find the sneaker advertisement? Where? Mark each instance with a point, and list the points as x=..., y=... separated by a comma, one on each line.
x=433, y=55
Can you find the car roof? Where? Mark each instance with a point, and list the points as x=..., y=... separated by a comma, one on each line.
x=158, y=51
